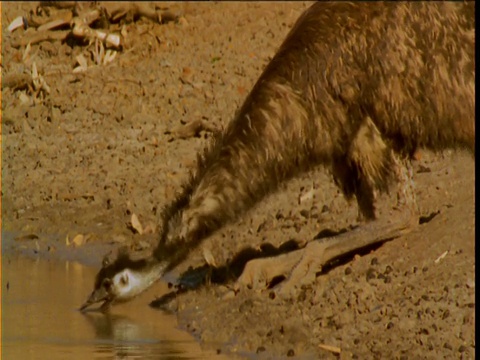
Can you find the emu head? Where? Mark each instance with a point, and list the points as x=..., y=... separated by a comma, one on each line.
x=122, y=280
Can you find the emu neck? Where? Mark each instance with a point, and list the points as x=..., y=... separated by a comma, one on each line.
x=239, y=168
x=145, y=277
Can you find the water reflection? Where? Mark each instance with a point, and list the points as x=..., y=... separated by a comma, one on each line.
x=40, y=318
x=119, y=335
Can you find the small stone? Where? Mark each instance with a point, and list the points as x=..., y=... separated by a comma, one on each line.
x=424, y=331
x=305, y=213
x=290, y=353
x=261, y=349
x=182, y=21
x=446, y=314
x=348, y=270
x=390, y=325
x=374, y=261
x=388, y=269
x=370, y=274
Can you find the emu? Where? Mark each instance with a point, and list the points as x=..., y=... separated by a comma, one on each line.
x=356, y=88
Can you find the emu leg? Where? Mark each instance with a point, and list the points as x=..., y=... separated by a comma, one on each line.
x=304, y=264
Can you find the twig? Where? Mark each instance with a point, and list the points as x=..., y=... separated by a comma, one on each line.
x=55, y=24
x=82, y=30
x=38, y=21
x=333, y=349
x=441, y=257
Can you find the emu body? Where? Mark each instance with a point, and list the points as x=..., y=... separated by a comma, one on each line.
x=353, y=87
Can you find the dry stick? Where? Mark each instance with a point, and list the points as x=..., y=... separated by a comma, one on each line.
x=54, y=24
x=82, y=30
x=116, y=11
x=89, y=16
x=17, y=81
x=41, y=36
x=331, y=348
x=59, y=19
x=58, y=4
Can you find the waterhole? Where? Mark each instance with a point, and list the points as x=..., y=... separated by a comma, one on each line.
x=40, y=318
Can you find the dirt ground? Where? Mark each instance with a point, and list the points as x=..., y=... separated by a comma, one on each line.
x=109, y=142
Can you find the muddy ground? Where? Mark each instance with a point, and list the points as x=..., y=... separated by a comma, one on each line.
x=108, y=143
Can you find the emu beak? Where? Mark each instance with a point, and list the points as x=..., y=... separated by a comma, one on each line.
x=96, y=296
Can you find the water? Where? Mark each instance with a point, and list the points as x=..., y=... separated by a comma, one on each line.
x=40, y=319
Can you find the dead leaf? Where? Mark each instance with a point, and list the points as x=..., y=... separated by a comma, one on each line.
x=149, y=229
x=208, y=256
x=136, y=225
x=16, y=23
x=24, y=98
x=78, y=240
x=82, y=62
x=109, y=57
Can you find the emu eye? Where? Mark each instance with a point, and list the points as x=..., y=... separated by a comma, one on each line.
x=124, y=280
x=107, y=283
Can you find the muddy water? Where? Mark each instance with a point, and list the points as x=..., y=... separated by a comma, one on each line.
x=40, y=319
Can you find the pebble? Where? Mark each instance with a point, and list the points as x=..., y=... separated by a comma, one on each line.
x=388, y=269
x=370, y=274
x=260, y=349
